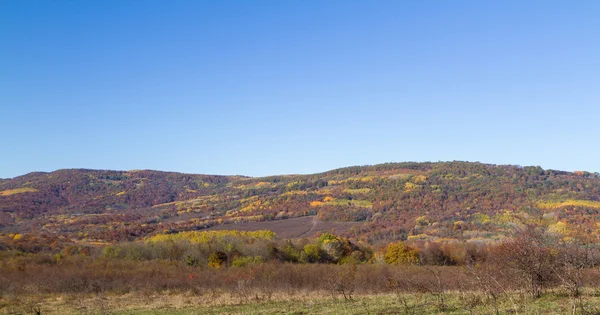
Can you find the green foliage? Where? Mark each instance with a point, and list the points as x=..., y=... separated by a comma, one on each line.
x=312, y=253
x=335, y=248
x=357, y=191
x=137, y=252
x=192, y=261
x=246, y=261
x=356, y=257
x=325, y=237
x=290, y=252
x=111, y=252
x=348, y=202
x=422, y=221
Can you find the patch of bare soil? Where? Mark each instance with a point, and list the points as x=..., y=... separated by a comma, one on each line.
x=292, y=228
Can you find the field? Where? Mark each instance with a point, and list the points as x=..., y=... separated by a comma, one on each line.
x=300, y=303
x=109, y=286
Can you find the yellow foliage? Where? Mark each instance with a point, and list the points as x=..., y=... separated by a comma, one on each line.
x=506, y=216
x=17, y=191
x=419, y=179
x=334, y=182
x=365, y=179
x=400, y=254
x=17, y=237
x=330, y=201
x=458, y=225
x=323, y=191
x=295, y=192
x=255, y=186
x=408, y=187
x=202, y=237
x=357, y=191
x=422, y=220
x=292, y=184
x=559, y=227
x=252, y=206
x=551, y=205
x=400, y=176
x=253, y=218
x=481, y=217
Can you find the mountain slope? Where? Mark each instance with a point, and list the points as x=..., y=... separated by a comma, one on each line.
x=427, y=201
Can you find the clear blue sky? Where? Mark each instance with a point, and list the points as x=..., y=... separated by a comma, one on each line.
x=272, y=87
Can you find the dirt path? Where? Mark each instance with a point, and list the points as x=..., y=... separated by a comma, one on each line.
x=315, y=221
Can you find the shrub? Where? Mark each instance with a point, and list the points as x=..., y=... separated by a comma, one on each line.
x=244, y=261
x=400, y=254
x=312, y=253
x=530, y=258
x=217, y=259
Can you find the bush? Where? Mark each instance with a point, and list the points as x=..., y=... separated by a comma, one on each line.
x=217, y=259
x=244, y=261
x=400, y=254
x=311, y=253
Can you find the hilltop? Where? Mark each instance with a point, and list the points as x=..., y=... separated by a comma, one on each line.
x=380, y=203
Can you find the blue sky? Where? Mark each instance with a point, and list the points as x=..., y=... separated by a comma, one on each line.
x=272, y=87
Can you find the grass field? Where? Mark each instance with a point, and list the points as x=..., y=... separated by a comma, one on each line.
x=301, y=303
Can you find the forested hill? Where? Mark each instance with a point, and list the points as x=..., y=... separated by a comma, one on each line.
x=428, y=201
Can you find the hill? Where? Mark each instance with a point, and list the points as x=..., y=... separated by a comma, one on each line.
x=415, y=201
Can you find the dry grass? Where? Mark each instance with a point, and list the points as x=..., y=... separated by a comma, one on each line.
x=315, y=302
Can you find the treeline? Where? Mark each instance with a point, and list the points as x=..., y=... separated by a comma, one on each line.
x=535, y=257
x=241, y=248
x=218, y=249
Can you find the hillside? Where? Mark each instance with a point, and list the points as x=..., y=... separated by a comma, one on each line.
x=380, y=203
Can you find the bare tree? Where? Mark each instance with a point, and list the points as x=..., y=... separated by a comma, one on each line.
x=531, y=259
